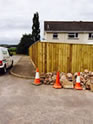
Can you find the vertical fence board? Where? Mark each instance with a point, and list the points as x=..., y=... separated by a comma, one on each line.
x=43, y=70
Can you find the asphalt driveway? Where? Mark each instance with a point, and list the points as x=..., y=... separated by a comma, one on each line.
x=23, y=103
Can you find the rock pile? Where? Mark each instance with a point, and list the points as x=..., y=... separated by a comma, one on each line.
x=48, y=78
x=68, y=80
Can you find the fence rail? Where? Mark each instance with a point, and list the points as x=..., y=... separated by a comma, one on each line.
x=63, y=57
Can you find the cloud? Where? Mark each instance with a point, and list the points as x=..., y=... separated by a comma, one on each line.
x=15, y=24
x=11, y=29
x=12, y=36
x=16, y=15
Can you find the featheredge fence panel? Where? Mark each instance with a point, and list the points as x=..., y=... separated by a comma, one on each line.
x=82, y=57
x=49, y=57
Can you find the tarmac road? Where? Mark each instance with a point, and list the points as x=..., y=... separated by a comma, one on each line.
x=23, y=103
x=16, y=58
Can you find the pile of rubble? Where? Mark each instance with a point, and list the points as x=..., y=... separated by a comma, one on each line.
x=68, y=80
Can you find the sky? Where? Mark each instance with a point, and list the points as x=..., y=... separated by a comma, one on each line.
x=16, y=15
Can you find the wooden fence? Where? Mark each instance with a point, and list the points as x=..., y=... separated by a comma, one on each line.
x=49, y=57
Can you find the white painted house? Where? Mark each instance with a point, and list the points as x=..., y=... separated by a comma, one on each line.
x=68, y=31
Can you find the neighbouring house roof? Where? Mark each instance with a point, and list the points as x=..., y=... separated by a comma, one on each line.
x=64, y=26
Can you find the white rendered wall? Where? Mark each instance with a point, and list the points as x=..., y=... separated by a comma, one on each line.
x=63, y=37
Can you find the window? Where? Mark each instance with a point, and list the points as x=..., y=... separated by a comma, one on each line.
x=72, y=35
x=55, y=36
x=90, y=35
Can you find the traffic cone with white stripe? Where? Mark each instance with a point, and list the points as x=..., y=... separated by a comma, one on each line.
x=77, y=85
x=37, y=78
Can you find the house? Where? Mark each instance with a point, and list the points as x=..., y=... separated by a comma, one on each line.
x=68, y=31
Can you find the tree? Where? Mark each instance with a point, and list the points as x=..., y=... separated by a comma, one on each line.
x=36, y=28
x=29, y=39
x=24, y=44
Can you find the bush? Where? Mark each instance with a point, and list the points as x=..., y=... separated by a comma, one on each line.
x=24, y=44
x=12, y=50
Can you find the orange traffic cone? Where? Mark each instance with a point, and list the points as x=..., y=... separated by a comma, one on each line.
x=57, y=84
x=37, y=78
x=77, y=85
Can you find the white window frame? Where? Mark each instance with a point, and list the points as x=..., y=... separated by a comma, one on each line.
x=74, y=35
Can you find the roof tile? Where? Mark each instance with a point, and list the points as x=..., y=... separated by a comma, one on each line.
x=68, y=26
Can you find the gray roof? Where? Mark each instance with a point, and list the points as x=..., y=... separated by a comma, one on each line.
x=68, y=26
